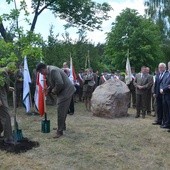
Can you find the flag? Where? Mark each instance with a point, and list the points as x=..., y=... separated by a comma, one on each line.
x=72, y=76
x=26, y=87
x=39, y=96
x=128, y=71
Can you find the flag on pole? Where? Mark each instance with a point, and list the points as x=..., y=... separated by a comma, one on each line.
x=39, y=96
x=128, y=72
x=26, y=86
x=72, y=76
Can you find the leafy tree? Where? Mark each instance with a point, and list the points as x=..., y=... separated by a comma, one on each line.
x=136, y=34
x=84, y=14
x=56, y=51
x=158, y=11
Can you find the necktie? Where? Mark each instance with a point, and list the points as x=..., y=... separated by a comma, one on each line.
x=160, y=76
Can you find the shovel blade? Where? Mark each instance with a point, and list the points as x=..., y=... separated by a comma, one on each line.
x=17, y=135
x=45, y=126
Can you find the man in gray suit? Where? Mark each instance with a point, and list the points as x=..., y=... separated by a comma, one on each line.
x=60, y=85
x=5, y=119
x=142, y=83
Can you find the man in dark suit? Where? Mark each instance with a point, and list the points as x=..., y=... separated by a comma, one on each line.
x=159, y=96
x=60, y=85
x=165, y=90
x=142, y=82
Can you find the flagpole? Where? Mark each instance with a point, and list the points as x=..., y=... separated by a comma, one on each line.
x=128, y=52
x=88, y=58
x=30, y=96
x=45, y=113
x=86, y=62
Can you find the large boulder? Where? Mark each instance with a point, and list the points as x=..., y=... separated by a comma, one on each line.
x=110, y=99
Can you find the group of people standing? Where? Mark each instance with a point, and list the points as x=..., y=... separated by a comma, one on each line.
x=144, y=88
x=88, y=80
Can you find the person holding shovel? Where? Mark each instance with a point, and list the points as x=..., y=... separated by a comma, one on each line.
x=60, y=85
x=5, y=119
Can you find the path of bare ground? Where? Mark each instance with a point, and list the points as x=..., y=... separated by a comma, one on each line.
x=92, y=143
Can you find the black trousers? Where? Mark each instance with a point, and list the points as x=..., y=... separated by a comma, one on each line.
x=71, y=108
x=159, y=101
x=148, y=103
x=132, y=94
x=1, y=128
x=19, y=94
x=166, y=109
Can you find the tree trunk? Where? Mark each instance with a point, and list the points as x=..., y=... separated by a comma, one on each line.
x=34, y=22
x=4, y=34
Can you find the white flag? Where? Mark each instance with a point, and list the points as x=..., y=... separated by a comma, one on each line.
x=26, y=87
x=128, y=72
x=72, y=76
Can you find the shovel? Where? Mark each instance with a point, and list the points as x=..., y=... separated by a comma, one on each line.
x=45, y=124
x=17, y=133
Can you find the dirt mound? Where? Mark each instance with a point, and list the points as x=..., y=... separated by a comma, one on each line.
x=22, y=146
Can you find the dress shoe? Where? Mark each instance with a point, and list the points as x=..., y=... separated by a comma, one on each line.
x=156, y=123
x=63, y=128
x=70, y=113
x=59, y=134
x=137, y=116
x=168, y=130
x=9, y=142
x=149, y=113
x=165, y=127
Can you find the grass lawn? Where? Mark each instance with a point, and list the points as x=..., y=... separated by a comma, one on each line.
x=92, y=143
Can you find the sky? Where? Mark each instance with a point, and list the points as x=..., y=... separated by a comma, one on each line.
x=46, y=19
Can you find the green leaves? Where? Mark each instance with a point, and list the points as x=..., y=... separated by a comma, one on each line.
x=138, y=34
x=9, y=1
x=84, y=14
x=7, y=53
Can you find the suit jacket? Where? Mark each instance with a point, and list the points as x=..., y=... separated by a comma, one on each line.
x=165, y=83
x=159, y=82
x=60, y=83
x=146, y=81
x=4, y=89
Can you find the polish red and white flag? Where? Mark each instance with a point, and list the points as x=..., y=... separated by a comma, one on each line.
x=39, y=96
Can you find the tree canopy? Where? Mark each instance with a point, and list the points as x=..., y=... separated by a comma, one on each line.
x=136, y=34
x=158, y=11
x=84, y=14
x=18, y=42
